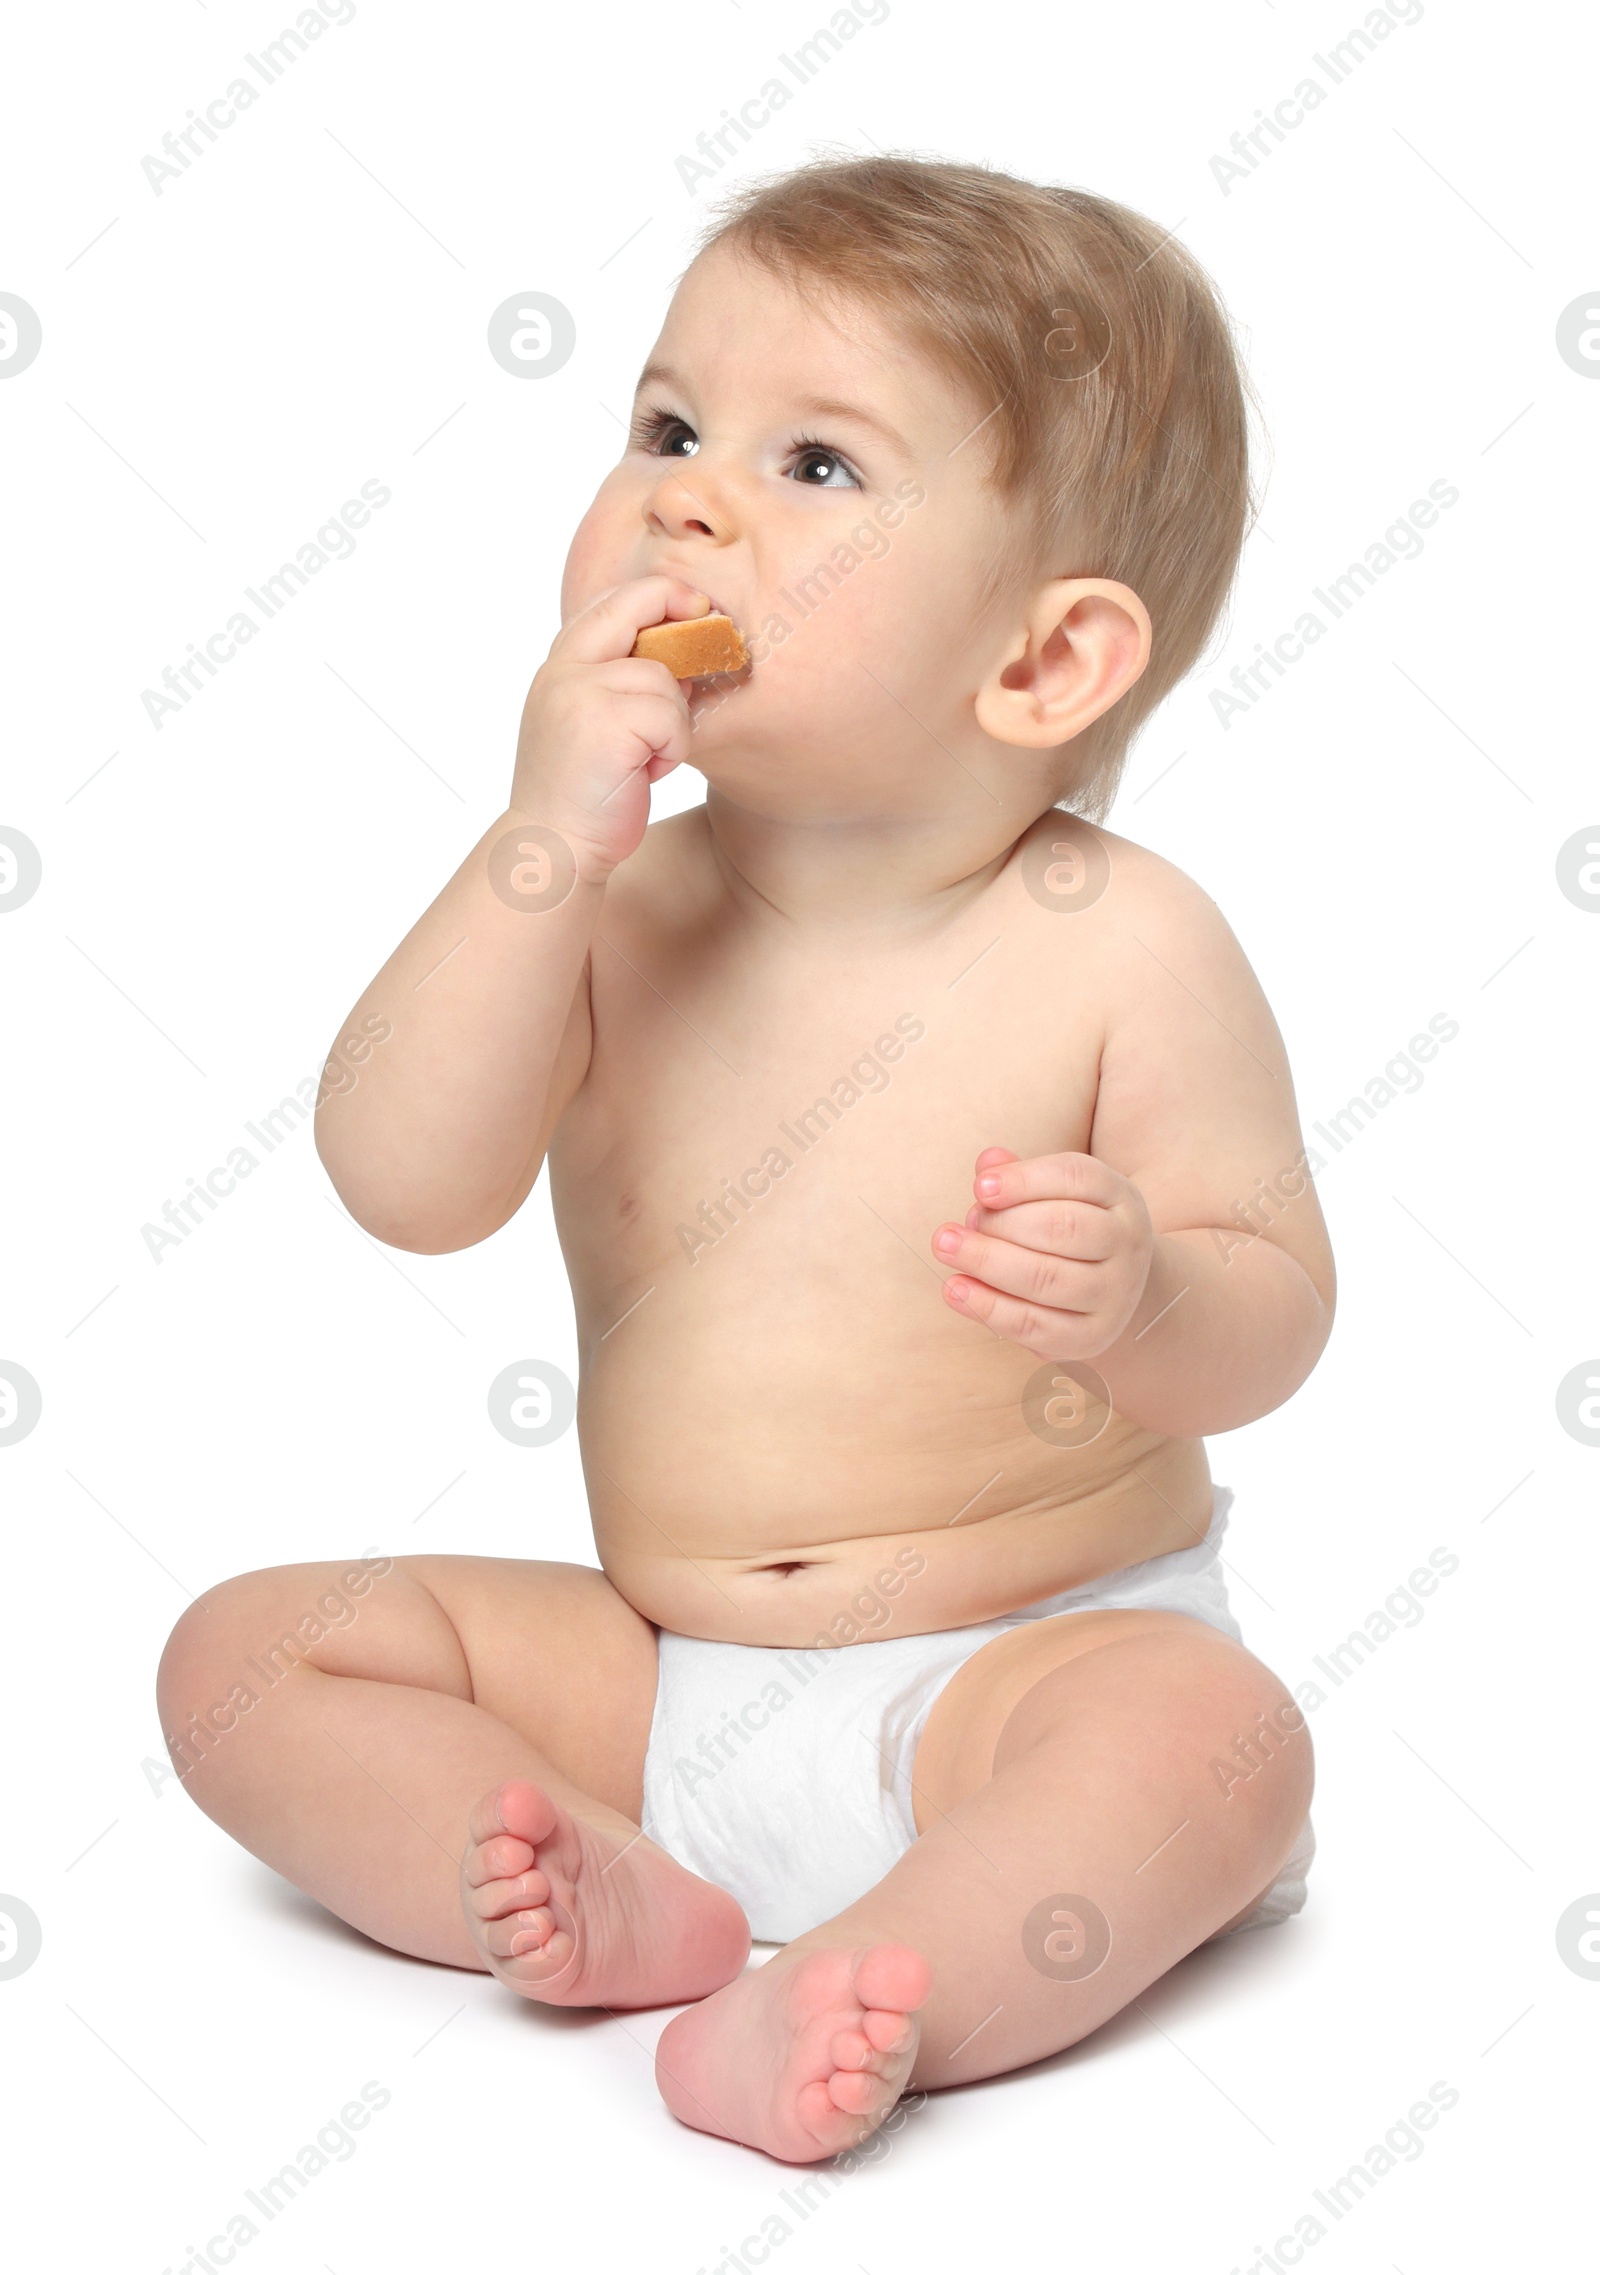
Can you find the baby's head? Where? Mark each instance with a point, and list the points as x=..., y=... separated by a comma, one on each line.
x=964, y=458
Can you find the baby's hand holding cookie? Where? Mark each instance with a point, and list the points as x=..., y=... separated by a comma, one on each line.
x=601, y=724
x=1054, y=1257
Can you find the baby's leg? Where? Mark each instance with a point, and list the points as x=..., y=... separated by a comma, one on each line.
x=1067, y=1788
x=454, y=1766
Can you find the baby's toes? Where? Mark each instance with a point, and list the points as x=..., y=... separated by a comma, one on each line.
x=503, y=1858
x=850, y=2050
x=520, y=1935
x=858, y=2092
x=889, y=2033
x=822, y=2116
x=891, y=1977
x=497, y=1897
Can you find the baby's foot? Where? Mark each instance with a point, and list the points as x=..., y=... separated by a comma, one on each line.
x=802, y=2057
x=577, y=1916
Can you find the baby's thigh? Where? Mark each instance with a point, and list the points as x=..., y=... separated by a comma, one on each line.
x=1175, y=1683
x=552, y=1650
x=556, y=1652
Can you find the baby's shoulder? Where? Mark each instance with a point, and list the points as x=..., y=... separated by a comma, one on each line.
x=1082, y=868
x=1128, y=915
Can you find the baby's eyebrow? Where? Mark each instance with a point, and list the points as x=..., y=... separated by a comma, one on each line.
x=661, y=375
x=812, y=406
x=827, y=407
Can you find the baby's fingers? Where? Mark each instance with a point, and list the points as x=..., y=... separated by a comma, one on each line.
x=1060, y=1282
x=1077, y=1229
x=1048, y=1177
x=608, y=627
x=1048, y=1333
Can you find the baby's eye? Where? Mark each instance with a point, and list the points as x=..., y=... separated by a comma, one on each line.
x=666, y=436
x=822, y=469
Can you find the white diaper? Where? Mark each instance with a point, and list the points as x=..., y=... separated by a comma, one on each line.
x=784, y=1776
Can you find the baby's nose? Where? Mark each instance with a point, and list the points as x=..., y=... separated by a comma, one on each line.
x=688, y=501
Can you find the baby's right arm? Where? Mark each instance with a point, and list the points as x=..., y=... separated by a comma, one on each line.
x=486, y=999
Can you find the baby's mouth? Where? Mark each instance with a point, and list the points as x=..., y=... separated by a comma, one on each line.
x=721, y=608
x=723, y=683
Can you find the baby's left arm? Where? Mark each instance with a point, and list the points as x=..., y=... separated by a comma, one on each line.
x=1185, y=1254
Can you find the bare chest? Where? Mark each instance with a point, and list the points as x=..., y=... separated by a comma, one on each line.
x=746, y=1189
x=776, y=1135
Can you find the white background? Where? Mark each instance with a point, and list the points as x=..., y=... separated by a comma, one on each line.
x=225, y=363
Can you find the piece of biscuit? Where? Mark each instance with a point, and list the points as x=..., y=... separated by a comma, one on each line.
x=697, y=647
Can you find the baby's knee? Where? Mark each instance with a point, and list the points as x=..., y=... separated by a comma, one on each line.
x=1195, y=1688
x=261, y=1625
x=196, y=1638
x=1260, y=1761
x=197, y=1677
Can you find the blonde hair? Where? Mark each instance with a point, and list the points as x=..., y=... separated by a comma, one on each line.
x=1098, y=359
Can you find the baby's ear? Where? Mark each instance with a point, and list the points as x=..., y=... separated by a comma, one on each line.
x=1083, y=642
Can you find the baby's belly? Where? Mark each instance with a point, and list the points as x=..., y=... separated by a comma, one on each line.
x=749, y=1492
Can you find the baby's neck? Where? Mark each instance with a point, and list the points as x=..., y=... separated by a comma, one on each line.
x=880, y=872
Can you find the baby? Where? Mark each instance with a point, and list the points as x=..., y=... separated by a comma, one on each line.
x=926, y=1164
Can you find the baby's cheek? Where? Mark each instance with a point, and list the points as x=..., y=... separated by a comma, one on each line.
x=814, y=686
x=597, y=557
x=839, y=627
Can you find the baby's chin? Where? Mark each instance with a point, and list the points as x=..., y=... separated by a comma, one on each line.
x=761, y=742
x=727, y=693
